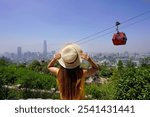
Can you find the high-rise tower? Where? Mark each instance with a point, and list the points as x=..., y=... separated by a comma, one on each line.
x=45, y=48
x=19, y=52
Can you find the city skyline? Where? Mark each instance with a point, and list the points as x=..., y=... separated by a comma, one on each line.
x=28, y=23
x=19, y=50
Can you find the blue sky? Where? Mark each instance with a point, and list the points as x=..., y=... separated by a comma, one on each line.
x=27, y=23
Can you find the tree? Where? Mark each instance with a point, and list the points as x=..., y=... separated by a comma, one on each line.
x=133, y=84
x=44, y=67
x=35, y=65
x=145, y=62
x=4, y=61
x=120, y=65
x=130, y=64
x=105, y=71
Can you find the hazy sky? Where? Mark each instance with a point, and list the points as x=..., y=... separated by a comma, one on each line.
x=27, y=23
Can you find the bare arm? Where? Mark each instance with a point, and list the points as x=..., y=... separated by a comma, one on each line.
x=94, y=67
x=51, y=68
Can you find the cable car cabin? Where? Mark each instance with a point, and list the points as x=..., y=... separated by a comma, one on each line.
x=119, y=38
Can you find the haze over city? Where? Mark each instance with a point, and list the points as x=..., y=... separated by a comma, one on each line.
x=27, y=23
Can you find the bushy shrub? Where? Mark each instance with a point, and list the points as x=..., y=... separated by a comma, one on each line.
x=14, y=94
x=133, y=84
x=106, y=71
x=100, y=91
x=12, y=75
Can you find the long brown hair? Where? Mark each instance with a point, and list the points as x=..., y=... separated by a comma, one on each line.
x=69, y=82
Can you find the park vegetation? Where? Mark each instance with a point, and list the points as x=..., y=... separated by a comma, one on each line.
x=124, y=82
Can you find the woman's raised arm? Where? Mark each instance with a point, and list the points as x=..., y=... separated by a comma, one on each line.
x=94, y=67
x=51, y=68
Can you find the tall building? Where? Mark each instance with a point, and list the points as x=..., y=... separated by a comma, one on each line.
x=19, y=52
x=45, y=48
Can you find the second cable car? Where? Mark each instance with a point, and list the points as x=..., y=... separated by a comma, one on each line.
x=119, y=38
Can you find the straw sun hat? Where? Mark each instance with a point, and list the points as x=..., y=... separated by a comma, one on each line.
x=70, y=56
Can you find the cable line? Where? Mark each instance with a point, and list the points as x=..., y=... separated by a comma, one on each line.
x=136, y=16
x=94, y=34
x=91, y=37
x=114, y=30
x=96, y=37
x=126, y=26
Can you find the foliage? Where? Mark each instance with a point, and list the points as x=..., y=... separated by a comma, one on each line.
x=105, y=71
x=95, y=91
x=4, y=61
x=133, y=84
x=100, y=91
x=145, y=62
x=130, y=64
x=120, y=65
x=125, y=82
x=35, y=80
x=35, y=65
x=14, y=94
x=12, y=75
x=39, y=66
x=44, y=67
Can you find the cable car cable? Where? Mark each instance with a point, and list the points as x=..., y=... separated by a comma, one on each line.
x=126, y=26
x=114, y=30
x=148, y=11
x=97, y=37
x=94, y=34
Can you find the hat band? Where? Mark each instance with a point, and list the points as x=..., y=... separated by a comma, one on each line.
x=73, y=61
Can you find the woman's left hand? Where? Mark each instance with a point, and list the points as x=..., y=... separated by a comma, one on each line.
x=57, y=56
x=84, y=56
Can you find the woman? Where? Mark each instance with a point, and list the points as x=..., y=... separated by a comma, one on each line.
x=70, y=76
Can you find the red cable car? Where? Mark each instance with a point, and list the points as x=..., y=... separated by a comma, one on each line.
x=119, y=38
